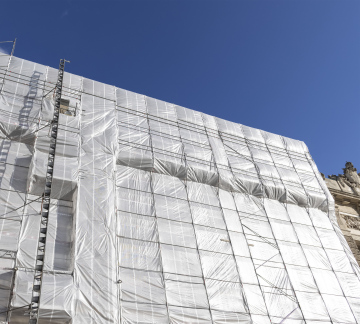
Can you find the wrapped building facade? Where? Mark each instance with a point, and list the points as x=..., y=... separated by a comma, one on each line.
x=161, y=214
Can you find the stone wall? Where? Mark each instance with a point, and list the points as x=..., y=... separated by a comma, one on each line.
x=345, y=188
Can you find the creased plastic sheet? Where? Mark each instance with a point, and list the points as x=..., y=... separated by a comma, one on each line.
x=95, y=247
x=186, y=294
x=5, y=290
x=162, y=214
x=179, y=315
x=56, y=302
x=142, y=286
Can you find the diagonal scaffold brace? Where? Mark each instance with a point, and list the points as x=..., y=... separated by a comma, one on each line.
x=45, y=209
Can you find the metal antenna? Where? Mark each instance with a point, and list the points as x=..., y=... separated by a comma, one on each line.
x=13, y=48
x=39, y=262
x=8, y=65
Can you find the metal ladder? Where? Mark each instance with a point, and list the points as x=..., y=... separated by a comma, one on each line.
x=39, y=262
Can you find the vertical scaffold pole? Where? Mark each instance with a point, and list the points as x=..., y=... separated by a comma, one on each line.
x=8, y=65
x=13, y=48
x=39, y=262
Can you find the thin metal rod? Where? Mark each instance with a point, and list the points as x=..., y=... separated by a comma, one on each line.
x=13, y=48
x=11, y=309
x=266, y=261
x=22, y=206
x=288, y=315
x=49, y=92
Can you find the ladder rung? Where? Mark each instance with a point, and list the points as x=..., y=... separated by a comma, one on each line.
x=39, y=267
x=35, y=299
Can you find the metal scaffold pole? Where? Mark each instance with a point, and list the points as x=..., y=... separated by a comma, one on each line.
x=39, y=265
x=13, y=48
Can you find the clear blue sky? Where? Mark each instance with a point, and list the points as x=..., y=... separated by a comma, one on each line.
x=288, y=67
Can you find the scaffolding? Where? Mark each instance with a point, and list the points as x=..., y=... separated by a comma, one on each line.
x=161, y=214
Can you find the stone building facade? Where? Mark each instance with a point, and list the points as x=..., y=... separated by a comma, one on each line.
x=345, y=188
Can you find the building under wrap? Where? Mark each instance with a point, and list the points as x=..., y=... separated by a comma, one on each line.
x=161, y=214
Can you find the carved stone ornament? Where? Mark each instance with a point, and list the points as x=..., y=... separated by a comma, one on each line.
x=352, y=222
x=350, y=177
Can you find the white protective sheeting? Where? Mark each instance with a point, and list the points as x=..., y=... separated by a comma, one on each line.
x=162, y=214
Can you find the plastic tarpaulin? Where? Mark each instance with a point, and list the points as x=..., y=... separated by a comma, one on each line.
x=161, y=214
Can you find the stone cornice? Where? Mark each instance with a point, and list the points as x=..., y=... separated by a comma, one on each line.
x=338, y=194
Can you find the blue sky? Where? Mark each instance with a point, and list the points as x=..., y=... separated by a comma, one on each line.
x=289, y=67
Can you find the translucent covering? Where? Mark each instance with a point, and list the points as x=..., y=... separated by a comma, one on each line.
x=162, y=214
